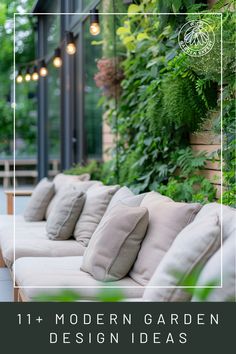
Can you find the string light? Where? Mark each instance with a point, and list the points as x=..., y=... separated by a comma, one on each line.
x=70, y=44
x=35, y=75
x=27, y=75
x=19, y=78
x=94, y=22
x=57, y=61
x=43, y=71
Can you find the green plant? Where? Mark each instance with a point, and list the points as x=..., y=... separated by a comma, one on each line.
x=25, y=97
x=189, y=162
x=209, y=68
x=182, y=103
x=104, y=295
x=193, y=189
x=167, y=94
x=188, y=185
x=93, y=168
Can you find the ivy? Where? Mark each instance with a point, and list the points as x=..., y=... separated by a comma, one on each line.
x=165, y=96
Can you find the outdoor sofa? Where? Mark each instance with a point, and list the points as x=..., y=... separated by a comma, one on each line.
x=89, y=238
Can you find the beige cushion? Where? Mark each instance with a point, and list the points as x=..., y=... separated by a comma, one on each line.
x=211, y=273
x=166, y=219
x=63, y=273
x=115, y=243
x=63, y=181
x=226, y=215
x=31, y=241
x=64, y=215
x=97, y=200
x=39, y=200
x=119, y=196
x=190, y=251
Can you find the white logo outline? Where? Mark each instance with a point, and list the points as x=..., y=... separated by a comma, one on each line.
x=196, y=38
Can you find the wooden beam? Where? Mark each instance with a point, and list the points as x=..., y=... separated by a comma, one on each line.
x=205, y=138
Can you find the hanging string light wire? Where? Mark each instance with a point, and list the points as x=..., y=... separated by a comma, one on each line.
x=55, y=57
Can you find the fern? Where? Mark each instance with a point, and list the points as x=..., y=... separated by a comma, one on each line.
x=182, y=106
x=188, y=162
x=221, y=3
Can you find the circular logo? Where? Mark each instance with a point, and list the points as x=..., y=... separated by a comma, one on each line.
x=196, y=38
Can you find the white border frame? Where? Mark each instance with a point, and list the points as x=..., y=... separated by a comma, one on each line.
x=221, y=157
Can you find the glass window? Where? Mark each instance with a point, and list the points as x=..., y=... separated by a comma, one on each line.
x=76, y=5
x=87, y=3
x=53, y=41
x=92, y=95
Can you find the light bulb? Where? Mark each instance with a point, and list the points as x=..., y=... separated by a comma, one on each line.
x=94, y=28
x=27, y=77
x=19, y=79
x=71, y=48
x=35, y=76
x=94, y=22
x=57, y=62
x=43, y=71
x=70, y=43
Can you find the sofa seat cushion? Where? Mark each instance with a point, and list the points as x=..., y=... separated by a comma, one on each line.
x=31, y=241
x=166, y=219
x=65, y=273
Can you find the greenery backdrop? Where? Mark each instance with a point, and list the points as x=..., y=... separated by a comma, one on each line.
x=165, y=96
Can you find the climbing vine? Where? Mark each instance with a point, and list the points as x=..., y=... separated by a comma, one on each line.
x=167, y=94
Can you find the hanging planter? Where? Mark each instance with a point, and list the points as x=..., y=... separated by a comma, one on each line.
x=109, y=76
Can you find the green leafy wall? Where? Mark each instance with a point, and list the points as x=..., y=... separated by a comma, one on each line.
x=166, y=95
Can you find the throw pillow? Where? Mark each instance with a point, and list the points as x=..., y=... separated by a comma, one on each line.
x=211, y=275
x=97, y=200
x=64, y=215
x=166, y=219
x=115, y=243
x=195, y=244
x=39, y=200
x=63, y=181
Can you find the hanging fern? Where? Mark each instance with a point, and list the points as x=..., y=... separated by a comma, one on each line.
x=182, y=106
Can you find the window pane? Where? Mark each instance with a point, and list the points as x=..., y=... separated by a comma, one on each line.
x=76, y=5
x=86, y=3
x=93, y=113
x=53, y=41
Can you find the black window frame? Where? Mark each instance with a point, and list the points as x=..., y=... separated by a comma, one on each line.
x=72, y=126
